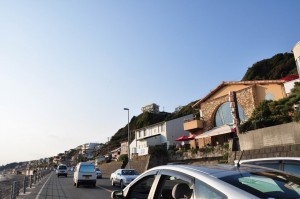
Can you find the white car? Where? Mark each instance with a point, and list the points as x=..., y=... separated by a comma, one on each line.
x=287, y=164
x=123, y=177
x=211, y=181
x=62, y=170
x=85, y=174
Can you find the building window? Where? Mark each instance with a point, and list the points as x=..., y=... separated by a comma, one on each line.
x=224, y=116
x=145, y=132
x=139, y=134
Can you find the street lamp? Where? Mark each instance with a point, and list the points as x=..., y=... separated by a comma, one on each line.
x=127, y=109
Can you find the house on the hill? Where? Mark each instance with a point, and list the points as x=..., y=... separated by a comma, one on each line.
x=218, y=115
x=157, y=134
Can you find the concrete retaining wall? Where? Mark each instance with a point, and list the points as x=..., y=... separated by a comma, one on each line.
x=285, y=134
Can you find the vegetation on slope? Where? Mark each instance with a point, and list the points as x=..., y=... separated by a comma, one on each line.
x=277, y=67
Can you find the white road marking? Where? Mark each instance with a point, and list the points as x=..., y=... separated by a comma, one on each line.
x=105, y=189
x=37, y=197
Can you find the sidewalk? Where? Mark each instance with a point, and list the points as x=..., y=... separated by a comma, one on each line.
x=32, y=193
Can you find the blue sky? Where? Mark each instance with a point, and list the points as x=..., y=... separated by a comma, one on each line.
x=68, y=68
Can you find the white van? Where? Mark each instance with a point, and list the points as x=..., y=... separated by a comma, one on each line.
x=85, y=174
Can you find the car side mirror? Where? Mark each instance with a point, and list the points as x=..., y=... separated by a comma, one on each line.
x=117, y=194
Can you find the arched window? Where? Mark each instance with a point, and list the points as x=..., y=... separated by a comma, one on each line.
x=223, y=115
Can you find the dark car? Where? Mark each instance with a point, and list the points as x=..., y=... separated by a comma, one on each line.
x=99, y=173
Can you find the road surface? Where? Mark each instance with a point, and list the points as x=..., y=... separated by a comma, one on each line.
x=63, y=188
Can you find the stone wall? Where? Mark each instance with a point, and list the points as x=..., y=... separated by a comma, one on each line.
x=276, y=141
x=140, y=164
x=246, y=98
x=292, y=150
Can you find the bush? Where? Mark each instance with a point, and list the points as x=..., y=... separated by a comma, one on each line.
x=123, y=157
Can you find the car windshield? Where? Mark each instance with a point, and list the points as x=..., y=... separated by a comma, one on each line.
x=87, y=168
x=129, y=172
x=62, y=167
x=266, y=184
x=97, y=169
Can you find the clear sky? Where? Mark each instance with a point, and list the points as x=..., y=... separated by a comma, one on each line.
x=69, y=67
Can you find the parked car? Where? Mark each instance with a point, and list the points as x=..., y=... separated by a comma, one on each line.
x=99, y=173
x=123, y=177
x=211, y=181
x=85, y=174
x=287, y=164
x=62, y=170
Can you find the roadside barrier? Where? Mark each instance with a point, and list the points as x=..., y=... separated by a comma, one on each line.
x=22, y=185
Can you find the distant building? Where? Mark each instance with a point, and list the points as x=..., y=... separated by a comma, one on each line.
x=124, y=147
x=151, y=108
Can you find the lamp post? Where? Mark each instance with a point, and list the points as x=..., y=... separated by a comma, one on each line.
x=127, y=109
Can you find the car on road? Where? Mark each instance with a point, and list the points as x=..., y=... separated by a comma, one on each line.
x=123, y=177
x=99, y=173
x=85, y=174
x=211, y=181
x=287, y=164
x=62, y=170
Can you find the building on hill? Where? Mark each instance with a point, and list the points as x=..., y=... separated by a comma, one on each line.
x=151, y=108
x=218, y=116
x=157, y=134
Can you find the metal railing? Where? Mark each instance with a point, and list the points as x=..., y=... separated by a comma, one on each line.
x=18, y=187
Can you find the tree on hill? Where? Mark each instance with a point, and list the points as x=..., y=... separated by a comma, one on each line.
x=277, y=67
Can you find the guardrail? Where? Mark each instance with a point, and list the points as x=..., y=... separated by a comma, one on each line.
x=20, y=186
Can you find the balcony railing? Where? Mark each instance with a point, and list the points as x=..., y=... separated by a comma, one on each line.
x=192, y=124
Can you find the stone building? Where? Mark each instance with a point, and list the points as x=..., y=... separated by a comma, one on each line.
x=216, y=122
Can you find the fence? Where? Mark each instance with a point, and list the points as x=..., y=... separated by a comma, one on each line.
x=19, y=186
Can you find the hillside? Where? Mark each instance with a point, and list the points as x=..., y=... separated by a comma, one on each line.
x=277, y=67
x=142, y=120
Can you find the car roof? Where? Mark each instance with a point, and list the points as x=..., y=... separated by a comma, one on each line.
x=216, y=171
x=85, y=163
x=268, y=159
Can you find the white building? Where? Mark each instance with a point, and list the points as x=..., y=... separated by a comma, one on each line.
x=87, y=150
x=289, y=85
x=296, y=51
x=157, y=134
x=151, y=108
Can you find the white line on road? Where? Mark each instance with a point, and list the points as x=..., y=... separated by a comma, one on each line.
x=105, y=189
x=37, y=197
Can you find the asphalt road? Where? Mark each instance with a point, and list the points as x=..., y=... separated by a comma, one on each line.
x=63, y=188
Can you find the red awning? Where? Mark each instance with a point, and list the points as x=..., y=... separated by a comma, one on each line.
x=185, y=138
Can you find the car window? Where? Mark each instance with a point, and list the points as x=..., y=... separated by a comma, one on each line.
x=97, y=169
x=141, y=189
x=292, y=168
x=86, y=168
x=204, y=191
x=62, y=167
x=269, y=164
x=129, y=172
x=266, y=184
x=172, y=183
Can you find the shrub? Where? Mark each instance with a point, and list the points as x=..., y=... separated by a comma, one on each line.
x=123, y=157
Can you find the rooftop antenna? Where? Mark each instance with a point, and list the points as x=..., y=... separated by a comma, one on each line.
x=238, y=164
